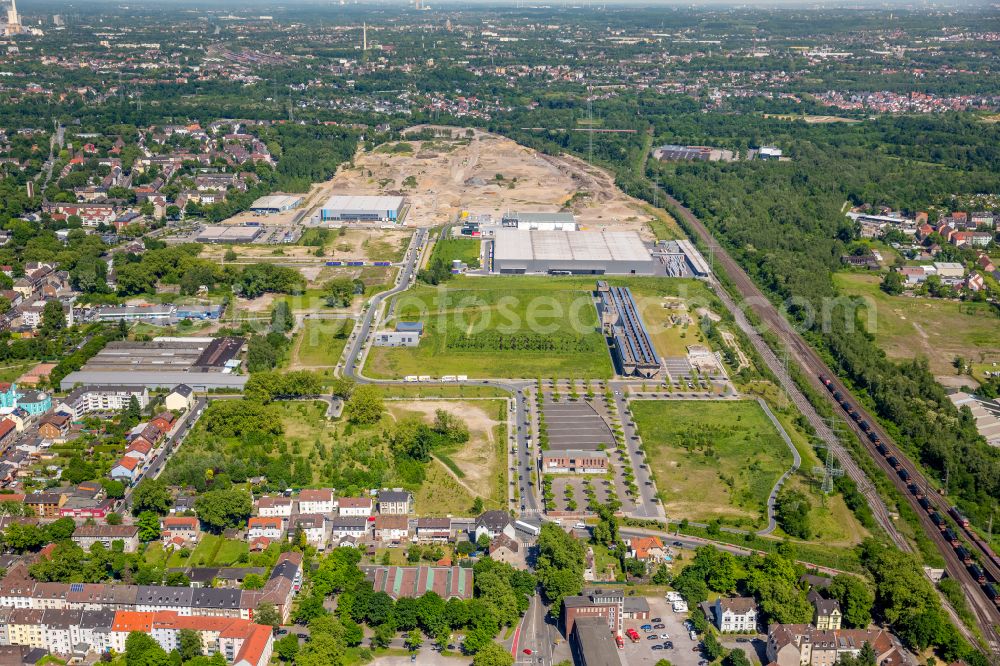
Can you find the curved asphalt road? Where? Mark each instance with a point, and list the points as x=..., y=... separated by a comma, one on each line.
x=796, y=462
x=530, y=507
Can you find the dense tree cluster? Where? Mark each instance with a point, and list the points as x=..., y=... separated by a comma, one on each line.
x=264, y=387
x=560, y=564
x=791, y=511
x=773, y=580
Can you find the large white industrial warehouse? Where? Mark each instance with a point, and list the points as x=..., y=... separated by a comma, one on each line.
x=571, y=252
x=361, y=209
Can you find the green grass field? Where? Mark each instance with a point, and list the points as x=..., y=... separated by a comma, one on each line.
x=712, y=459
x=464, y=249
x=935, y=328
x=555, y=320
x=556, y=305
x=321, y=342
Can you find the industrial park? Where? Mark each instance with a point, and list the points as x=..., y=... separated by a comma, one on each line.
x=347, y=333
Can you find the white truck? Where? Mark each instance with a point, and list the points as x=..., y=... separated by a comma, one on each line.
x=410, y=378
x=527, y=527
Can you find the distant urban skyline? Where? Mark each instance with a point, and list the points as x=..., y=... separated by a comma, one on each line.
x=765, y=4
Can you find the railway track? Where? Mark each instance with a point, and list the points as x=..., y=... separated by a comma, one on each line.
x=982, y=605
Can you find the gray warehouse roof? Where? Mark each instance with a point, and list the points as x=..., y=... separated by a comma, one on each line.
x=342, y=202
x=223, y=233
x=528, y=218
x=276, y=201
x=155, y=379
x=517, y=244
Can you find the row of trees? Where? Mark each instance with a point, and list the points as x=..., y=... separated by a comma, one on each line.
x=555, y=343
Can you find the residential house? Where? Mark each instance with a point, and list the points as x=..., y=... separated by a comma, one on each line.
x=45, y=505
x=180, y=398
x=54, y=426
x=647, y=549
x=493, y=523
x=138, y=449
x=395, y=502
x=735, y=614
x=312, y=526
x=433, y=530
x=982, y=219
x=319, y=500
x=805, y=645
x=391, y=529
x=271, y=528
x=184, y=528
x=8, y=433
x=507, y=550
x=164, y=422
x=826, y=613
x=126, y=469
x=350, y=526
x=355, y=506
x=147, y=432
x=274, y=507
x=85, y=400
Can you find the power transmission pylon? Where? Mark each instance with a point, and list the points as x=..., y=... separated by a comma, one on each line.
x=828, y=470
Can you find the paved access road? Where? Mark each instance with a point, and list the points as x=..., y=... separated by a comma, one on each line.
x=359, y=343
x=647, y=504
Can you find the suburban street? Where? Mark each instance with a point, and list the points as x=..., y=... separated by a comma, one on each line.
x=156, y=464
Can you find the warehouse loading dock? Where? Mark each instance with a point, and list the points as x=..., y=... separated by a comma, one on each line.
x=340, y=208
x=275, y=203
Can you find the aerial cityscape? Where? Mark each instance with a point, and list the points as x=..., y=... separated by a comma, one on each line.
x=597, y=334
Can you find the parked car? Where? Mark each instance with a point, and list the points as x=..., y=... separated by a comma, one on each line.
x=656, y=619
x=656, y=647
x=659, y=625
x=652, y=637
x=646, y=627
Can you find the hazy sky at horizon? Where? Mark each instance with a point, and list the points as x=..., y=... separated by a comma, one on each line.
x=817, y=4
